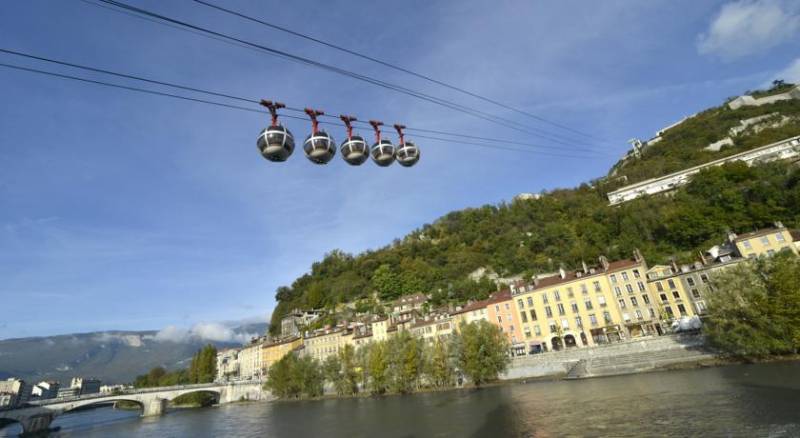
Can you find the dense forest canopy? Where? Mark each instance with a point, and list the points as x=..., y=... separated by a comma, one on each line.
x=565, y=227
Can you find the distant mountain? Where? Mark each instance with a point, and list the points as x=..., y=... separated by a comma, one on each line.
x=111, y=356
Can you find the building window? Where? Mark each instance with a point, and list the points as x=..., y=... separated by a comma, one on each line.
x=634, y=302
x=695, y=293
x=544, y=298
x=765, y=240
x=601, y=300
x=636, y=273
x=592, y=319
x=617, y=291
x=770, y=252
x=701, y=307
x=779, y=237
x=524, y=316
x=646, y=299
x=511, y=328
x=564, y=324
x=496, y=307
x=533, y=315
x=527, y=333
x=676, y=294
x=588, y=304
x=613, y=278
x=537, y=330
x=626, y=317
x=561, y=309
x=629, y=288
x=639, y=314
x=557, y=295
x=747, y=244
x=671, y=283
x=507, y=306
x=704, y=278
x=690, y=281
x=553, y=327
x=570, y=293
x=597, y=286
x=664, y=298
x=500, y=319
x=607, y=317
x=574, y=306
x=641, y=286
x=659, y=286
x=578, y=322
x=669, y=311
x=548, y=311
x=625, y=276
x=584, y=289
x=621, y=303
x=652, y=313
x=520, y=303
x=530, y=301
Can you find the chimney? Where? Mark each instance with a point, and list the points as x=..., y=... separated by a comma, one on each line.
x=637, y=255
x=585, y=268
x=702, y=258
x=603, y=262
x=731, y=236
x=673, y=265
x=535, y=280
x=561, y=272
x=778, y=224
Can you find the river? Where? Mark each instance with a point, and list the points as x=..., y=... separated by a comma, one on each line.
x=739, y=400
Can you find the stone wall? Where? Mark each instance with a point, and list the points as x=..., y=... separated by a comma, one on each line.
x=637, y=355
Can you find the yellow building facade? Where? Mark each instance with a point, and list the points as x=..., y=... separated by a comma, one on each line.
x=275, y=351
x=587, y=307
x=765, y=242
x=674, y=301
x=322, y=345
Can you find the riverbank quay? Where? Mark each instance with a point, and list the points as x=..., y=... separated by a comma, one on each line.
x=627, y=357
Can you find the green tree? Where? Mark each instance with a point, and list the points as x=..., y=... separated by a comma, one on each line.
x=386, y=283
x=332, y=371
x=404, y=357
x=348, y=377
x=482, y=351
x=378, y=368
x=308, y=374
x=438, y=365
x=282, y=378
x=754, y=308
x=203, y=368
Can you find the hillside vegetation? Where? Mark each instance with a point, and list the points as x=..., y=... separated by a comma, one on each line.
x=563, y=227
x=683, y=146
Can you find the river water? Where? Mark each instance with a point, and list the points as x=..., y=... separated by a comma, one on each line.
x=740, y=400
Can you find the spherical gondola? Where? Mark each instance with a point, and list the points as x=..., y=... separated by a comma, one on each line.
x=407, y=154
x=355, y=149
x=382, y=153
x=319, y=146
x=275, y=142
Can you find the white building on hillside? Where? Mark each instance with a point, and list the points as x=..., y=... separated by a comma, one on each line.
x=782, y=150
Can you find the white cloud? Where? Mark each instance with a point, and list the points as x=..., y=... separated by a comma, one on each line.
x=745, y=27
x=791, y=73
x=212, y=331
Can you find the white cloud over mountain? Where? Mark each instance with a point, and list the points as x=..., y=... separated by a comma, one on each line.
x=746, y=27
x=791, y=73
x=205, y=331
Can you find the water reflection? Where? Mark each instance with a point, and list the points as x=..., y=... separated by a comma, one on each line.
x=747, y=400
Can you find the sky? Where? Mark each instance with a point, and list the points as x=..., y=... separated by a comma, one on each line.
x=124, y=211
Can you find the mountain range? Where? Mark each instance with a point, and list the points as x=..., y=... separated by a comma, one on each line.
x=111, y=356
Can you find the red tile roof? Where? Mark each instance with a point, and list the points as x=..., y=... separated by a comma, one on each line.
x=756, y=233
x=472, y=306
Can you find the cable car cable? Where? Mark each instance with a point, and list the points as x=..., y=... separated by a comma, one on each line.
x=233, y=97
x=236, y=107
x=393, y=66
x=442, y=102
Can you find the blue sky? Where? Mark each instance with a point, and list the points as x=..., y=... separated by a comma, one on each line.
x=125, y=211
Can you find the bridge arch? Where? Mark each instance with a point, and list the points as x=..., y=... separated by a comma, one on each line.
x=103, y=401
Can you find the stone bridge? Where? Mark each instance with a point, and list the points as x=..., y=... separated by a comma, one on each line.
x=36, y=416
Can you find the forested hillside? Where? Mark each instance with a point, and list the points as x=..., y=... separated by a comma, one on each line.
x=683, y=146
x=562, y=227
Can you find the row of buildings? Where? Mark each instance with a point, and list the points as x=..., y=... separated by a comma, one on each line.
x=15, y=392
x=599, y=304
